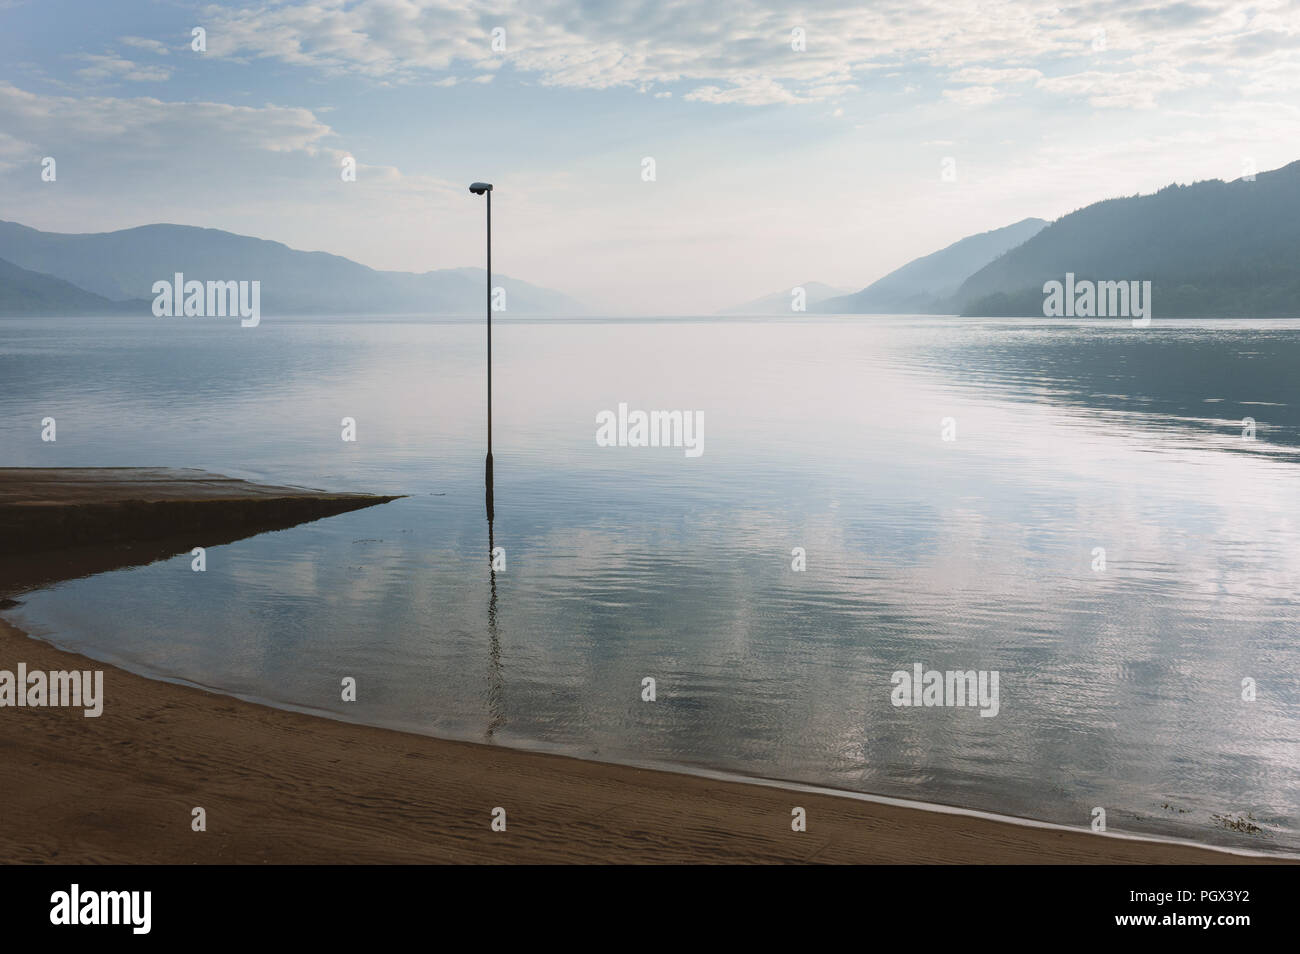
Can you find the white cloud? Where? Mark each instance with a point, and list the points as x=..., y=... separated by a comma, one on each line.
x=973, y=95
x=14, y=151
x=144, y=43
x=743, y=54
x=142, y=124
x=760, y=91
x=1133, y=89
x=113, y=67
x=983, y=75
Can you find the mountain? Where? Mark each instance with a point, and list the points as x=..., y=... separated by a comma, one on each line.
x=778, y=303
x=1213, y=248
x=30, y=294
x=125, y=264
x=924, y=285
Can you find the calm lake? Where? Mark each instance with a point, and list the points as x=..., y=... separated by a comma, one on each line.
x=1120, y=686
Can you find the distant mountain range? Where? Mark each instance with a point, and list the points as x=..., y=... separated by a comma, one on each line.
x=1214, y=249
x=925, y=285
x=51, y=273
x=780, y=302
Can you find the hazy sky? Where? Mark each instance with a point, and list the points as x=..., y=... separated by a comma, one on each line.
x=773, y=166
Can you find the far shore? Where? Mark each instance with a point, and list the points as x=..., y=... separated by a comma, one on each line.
x=282, y=787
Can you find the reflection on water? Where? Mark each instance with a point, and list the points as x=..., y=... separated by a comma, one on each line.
x=1120, y=687
x=496, y=684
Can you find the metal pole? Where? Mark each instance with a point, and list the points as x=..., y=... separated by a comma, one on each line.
x=488, y=474
x=489, y=318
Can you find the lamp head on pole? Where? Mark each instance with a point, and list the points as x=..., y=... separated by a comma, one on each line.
x=478, y=188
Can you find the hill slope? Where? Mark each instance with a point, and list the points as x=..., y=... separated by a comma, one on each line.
x=29, y=294
x=924, y=285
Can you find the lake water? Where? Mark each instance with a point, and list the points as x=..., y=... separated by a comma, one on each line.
x=1119, y=687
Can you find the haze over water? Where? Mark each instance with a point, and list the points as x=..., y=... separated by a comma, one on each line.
x=1118, y=688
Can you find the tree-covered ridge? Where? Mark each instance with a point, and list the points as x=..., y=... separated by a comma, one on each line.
x=1210, y=249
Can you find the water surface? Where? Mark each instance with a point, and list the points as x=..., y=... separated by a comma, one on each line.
x=1119, y=688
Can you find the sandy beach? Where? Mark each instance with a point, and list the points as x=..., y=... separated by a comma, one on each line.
x=282, y=787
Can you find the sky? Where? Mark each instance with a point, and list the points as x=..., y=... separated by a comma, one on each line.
x=791, y=142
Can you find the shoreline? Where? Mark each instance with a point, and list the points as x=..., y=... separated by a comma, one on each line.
x=280, y=786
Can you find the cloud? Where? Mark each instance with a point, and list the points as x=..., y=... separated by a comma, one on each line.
x=1134, y=89
x=14, y=151
x=144, y=43
x=142, y=124
x=973, y=95
x=1264, y=42
x=744, y=54
x=1169, y=15
x=113, y=67
x=984, y=75
x=756, y=92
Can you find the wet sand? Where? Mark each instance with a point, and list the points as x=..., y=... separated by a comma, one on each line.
x=51, y=508
x=61, y=523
